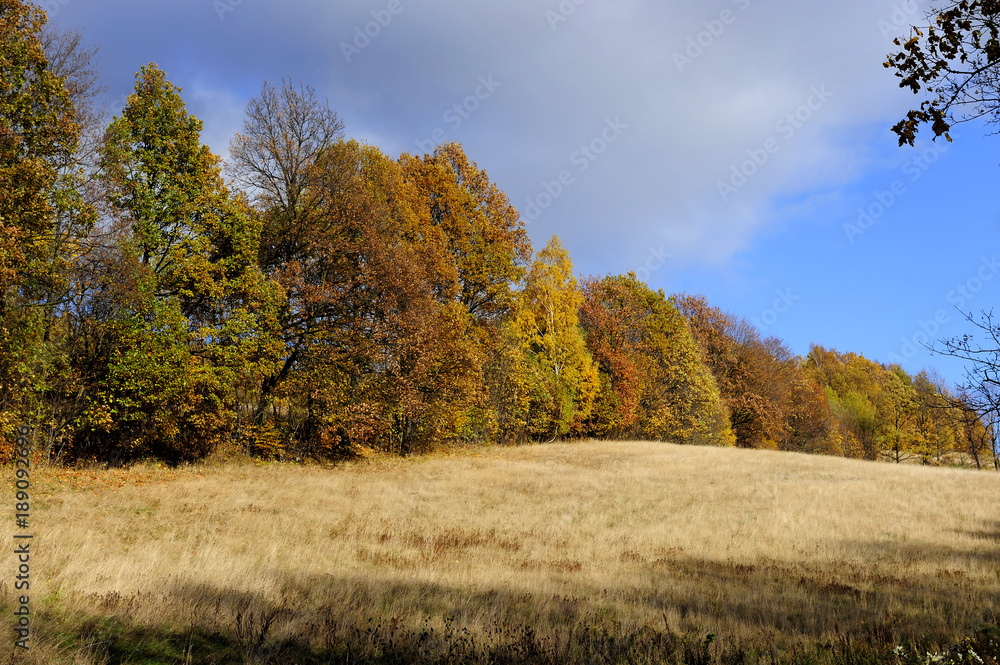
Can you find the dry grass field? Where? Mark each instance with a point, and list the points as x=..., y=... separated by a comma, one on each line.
x=579, y=552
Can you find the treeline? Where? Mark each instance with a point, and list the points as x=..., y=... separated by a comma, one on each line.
x=314, y=296
x=834, y=403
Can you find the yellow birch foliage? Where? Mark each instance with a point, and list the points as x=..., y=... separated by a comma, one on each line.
x=560, y=377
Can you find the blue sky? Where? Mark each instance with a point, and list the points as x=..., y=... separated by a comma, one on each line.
x=726, y=147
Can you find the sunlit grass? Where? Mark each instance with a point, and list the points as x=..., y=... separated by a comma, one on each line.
x=758, y=547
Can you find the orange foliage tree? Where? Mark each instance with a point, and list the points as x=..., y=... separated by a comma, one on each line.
x=489, y=251
x=654, y=383
x=878, y=408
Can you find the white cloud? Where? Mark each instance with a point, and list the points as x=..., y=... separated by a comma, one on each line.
x=686, y=129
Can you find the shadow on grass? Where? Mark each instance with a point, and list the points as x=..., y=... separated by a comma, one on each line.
x=713, y=612
x=202, y=624
x=113, y=640
x=990, y=533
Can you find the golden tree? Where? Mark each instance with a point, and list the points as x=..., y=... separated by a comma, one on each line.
x=559, y=375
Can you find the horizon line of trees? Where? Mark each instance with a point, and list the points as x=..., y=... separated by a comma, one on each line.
x=314, y=296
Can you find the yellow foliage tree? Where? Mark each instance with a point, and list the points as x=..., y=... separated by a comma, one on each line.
x=560, y=379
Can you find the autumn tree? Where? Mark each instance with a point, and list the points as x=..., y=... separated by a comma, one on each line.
x=935, y=421
x=654, y=384
x=904, y=438
x=811, y=426
x=485, y=235
x=73, y=241
x=275, y=160
x=558, y=378
x=393, y=274
x=612, y=315
x=933, y=426
x=489, y=251
x=393, y=364
x=772, y=401
x=379, y=349
x=751, y=379
x=954, y=59
x=38, y=133
x=977, y=436
x=878, y=407
x=854, y=395
x=194, y=303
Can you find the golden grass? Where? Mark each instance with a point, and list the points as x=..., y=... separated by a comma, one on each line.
x=757, y=546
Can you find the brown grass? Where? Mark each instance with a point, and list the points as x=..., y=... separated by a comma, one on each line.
x=757, y=546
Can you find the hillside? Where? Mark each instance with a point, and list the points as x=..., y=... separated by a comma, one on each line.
x=760, y=548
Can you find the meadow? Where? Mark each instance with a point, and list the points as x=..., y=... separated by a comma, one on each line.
x=568, y=552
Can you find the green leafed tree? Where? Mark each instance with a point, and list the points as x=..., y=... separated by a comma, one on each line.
x=182, y=302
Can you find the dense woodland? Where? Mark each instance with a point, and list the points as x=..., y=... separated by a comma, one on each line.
x=313, y=297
